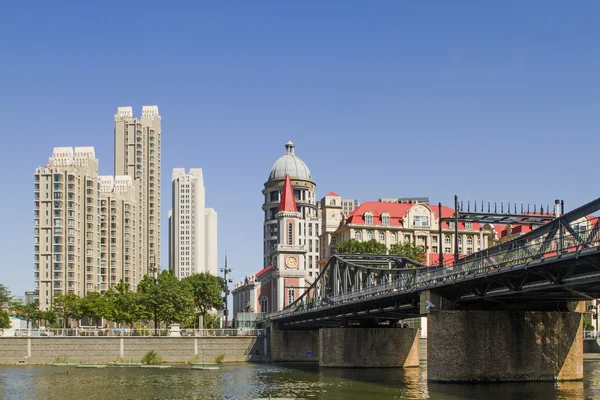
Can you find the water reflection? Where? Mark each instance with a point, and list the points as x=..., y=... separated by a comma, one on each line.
x=250, y=381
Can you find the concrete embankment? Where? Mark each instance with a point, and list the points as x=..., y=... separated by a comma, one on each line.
x=46, y=350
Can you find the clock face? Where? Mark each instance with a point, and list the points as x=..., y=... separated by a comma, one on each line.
x=291, y=262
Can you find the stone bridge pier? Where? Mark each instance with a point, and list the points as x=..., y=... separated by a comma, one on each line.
x=502, y=345
x=348, y=347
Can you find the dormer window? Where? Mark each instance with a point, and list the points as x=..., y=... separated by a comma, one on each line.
x=385, y=219
x=368, y=218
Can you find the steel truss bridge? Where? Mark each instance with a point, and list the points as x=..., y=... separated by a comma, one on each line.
x=541, y=270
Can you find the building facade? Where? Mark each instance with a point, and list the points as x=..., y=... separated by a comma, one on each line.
x=349, y=205
x=304, y=190
x=291, y=232
x=66, y=224
x=118, y=207
x=397, y=222
x=192, y=226
x=137, y=154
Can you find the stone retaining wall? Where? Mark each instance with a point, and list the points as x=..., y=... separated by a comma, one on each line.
x=504, y=346
x=37, y=350
x=368, y=347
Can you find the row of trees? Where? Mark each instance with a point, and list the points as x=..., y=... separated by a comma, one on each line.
x=406, y=249
x=164, y=300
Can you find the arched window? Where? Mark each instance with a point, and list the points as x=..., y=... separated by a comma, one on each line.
x=385, y=219
x=264, y=304
x=369, y=235
x=381, y=237
x=333, y=240
x=357, y=235
x=291, y=294
x=447, y=239
x=470, y=240
x=332, y=203
x=393, y=237
x=368, y=218
x=460, y=240
x=290, y=236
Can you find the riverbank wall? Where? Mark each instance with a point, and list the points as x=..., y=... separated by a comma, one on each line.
x=35, y=350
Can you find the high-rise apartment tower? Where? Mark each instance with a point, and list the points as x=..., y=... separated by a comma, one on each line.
x=66, y=224
x=137, y=154
x=192, y=227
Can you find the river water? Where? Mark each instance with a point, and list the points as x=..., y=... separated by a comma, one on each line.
x=252, y=381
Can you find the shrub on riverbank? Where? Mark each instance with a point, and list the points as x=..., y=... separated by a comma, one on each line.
x=152, y=358
x=220, y=358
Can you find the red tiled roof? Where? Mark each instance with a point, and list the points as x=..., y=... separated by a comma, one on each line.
x=397, y=211
x=332, y=194
x=263, y=271
x=288, y=203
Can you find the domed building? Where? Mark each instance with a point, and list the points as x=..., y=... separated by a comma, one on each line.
x=304, y=190
x=290, y=238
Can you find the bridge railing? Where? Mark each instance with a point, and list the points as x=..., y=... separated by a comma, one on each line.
x=525, y=252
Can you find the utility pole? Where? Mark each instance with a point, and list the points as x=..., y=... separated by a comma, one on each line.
x=226, y=271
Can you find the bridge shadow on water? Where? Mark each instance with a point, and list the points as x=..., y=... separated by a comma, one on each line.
x=411, y=383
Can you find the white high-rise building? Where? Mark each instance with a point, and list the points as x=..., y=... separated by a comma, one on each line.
x=192, y=227
x=210, y=225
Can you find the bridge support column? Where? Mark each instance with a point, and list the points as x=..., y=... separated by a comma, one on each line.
x=368, y=347
x=504, y=346
x=293, y=345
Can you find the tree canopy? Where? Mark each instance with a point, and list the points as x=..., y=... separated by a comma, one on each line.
x=165, y=299
x=5, y=295
x=354, y=246
x=206, y=291
x=406, y=249
x=409, y=250
x=4, y=320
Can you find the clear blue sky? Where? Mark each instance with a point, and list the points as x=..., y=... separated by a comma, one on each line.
x=486, y=100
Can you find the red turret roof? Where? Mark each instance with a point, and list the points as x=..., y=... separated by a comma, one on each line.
x=288, y=203
x=332, y=194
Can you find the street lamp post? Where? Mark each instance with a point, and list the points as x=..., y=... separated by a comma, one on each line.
x=226, y=271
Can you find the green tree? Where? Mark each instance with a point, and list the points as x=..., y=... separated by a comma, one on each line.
x=211, y=321
x=94, y=306
x=206, y=291
x=49, y=316
x=30, y=312
x=4, y=320
x=409, y=250
x=373, y=247
x=5, y=296
x=123, y=305
x=165, y=299
x=353, y=246
x=69, y=307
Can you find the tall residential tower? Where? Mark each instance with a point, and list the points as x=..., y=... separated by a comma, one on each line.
x=192, y=227
x=66, y=225
x=137, y=154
